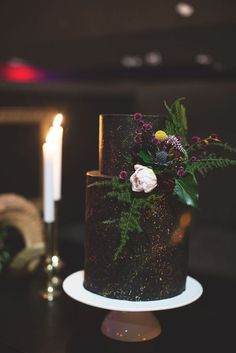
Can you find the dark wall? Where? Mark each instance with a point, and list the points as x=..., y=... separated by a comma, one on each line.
x=210, y=108
x=19, y=168
x=80, y=145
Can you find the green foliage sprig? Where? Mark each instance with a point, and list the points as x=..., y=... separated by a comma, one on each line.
x=223, y=145
x=129, y=220
x=186, y=184
x=177, y=124
x=119, y=190
x=204, y=165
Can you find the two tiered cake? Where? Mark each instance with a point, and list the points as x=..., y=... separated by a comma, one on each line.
x=136, y=243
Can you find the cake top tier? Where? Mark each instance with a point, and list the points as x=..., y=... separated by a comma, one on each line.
x=118, y=135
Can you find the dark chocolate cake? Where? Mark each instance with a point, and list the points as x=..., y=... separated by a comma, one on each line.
x=150, y=261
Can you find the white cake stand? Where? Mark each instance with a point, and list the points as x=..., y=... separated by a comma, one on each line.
x=129, y=320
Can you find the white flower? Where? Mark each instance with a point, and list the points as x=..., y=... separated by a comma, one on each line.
x=143, y=179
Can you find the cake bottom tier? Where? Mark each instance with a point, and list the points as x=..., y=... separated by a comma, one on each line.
x=152, y=265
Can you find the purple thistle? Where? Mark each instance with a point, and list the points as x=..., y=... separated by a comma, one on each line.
x=177, y=153
x=138, y=116
x=181, y=172
x=196, y=139
x=187, y=145
x=193, y=159
x=138, y=139
x=141, y=123
x=147, y=126
x=138, y=132
x=123, y=175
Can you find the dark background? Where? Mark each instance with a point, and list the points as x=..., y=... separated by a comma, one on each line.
x=210, y=108
x=81, y=48
x=88, y=57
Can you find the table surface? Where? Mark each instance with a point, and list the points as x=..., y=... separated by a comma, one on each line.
x=30, y=324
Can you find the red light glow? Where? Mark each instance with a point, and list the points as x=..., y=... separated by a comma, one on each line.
x=20, y=72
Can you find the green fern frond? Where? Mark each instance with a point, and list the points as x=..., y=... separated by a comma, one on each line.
x=121, y=196
x=204, y=165
x=109, y=221
x=100, y=183
x=130, y=220
x=225, y=146
x=115, y=183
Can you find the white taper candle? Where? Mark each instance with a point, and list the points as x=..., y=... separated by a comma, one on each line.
x=56, y=132
x=48, y=166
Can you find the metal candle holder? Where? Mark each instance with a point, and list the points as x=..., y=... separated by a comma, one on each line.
x=56, y=260
x=53, y=263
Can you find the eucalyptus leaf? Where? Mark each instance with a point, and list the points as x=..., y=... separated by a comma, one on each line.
x=186, y=189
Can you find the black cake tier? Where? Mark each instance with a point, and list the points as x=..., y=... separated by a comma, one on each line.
x=115, y=131
x=153, y=264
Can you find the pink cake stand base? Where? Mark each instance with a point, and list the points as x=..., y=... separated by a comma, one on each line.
x=128, y=320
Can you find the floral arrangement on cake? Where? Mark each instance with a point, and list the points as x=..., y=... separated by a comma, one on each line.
x=166, y=164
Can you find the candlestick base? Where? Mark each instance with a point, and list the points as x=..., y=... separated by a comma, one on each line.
x=50, y=293
x=55, y=258
x=53, y=286
x=57, y=262
x=52, y=267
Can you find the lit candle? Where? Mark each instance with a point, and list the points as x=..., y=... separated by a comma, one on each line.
x=48, y=166
x=56, y=132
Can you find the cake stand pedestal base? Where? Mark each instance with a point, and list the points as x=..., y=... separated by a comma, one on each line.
x=130, y=321
x=131, y=326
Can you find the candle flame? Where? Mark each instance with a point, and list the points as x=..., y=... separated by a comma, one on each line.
x=57, y=120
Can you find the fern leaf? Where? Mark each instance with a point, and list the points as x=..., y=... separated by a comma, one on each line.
x=203, y=166
x=130, y=220
x=225, y=146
